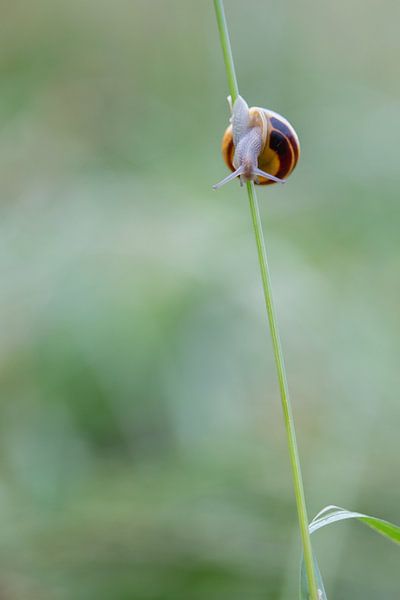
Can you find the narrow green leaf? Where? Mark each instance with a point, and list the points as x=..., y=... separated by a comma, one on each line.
x=304, y=591
x=333, y=514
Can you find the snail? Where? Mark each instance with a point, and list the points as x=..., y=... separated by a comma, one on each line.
x=259, y=145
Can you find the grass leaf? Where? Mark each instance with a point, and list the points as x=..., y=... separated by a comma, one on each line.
x=333, y=514
x=304, y=591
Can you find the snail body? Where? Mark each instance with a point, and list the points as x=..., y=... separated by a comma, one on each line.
x=259, y=145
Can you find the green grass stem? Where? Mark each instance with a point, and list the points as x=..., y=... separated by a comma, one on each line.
x=277, y=347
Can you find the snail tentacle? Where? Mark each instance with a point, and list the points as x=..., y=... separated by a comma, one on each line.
x=231, y=176
x=261, y=173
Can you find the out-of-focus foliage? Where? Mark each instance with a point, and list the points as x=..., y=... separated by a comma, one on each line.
x=142, y=446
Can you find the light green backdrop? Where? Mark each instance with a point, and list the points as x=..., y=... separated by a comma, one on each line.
x=142, y=447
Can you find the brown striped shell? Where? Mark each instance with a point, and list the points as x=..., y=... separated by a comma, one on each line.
x=281, y=149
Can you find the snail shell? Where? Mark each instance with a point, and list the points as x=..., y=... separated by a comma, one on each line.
x=259, y=145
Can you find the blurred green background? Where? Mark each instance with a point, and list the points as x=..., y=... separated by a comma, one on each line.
x=142, y=446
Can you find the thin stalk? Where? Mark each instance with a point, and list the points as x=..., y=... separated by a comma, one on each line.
x=283, y=387
x=276, y=343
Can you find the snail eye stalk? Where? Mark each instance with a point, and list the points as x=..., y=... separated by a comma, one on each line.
x=239, y=173
x=229, y=178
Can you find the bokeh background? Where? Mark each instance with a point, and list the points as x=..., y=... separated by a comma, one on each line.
x=142, y=447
